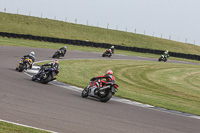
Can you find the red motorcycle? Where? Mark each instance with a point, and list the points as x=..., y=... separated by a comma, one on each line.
x=107, y=53
x=103, y=93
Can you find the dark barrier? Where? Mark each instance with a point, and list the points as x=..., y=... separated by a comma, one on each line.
x=94, y=44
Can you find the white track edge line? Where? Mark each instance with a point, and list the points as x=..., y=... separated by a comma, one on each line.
x=27, y=126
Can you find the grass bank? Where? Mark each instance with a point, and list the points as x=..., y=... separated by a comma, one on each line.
x=12, y=128
x=45, y=27
x=167, y=85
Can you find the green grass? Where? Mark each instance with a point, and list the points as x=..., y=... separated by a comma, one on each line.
x=37, y=44
x=45, y=27
x=167, y=85
x=161, y=84
x=12, y=128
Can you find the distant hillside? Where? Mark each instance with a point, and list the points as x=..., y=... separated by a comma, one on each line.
x=45, y=27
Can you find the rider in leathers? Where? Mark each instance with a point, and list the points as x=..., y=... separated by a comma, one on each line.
x=63, y=50
x=109, y=78
x=166, y=54
x=31, y=56
x=111, y=50
x=53, y=65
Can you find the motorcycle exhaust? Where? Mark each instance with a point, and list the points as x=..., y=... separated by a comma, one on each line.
x=103, y=88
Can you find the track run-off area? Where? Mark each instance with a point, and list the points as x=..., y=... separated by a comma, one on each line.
x=58, y=108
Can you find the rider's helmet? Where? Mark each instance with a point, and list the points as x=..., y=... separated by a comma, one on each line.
x=167, y=51
x=55, y=61
x=65, y=47
x=32, y=54
x=112, y=46
x=109, y=72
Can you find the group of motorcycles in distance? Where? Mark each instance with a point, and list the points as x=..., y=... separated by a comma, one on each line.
x=48, y=74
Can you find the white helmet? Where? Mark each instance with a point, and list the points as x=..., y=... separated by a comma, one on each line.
x=109, y=72
x=65, y=47
x=32, y=53
x=113, y=47
x=167, y=51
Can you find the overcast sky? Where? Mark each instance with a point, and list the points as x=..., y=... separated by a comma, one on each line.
x=179, y=19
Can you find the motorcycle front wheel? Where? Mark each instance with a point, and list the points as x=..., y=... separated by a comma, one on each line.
x=104, y=54
x=84, y=93
x=56, y=55
x=21, y=67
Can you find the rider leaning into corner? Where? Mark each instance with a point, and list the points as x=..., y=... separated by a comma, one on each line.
x=63, y=50
x=31, y=56
x=53, y=65
x=111, y=50
x=109, y=78
x=166, y=54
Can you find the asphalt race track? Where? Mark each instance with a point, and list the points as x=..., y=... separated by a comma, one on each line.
x=61, y=110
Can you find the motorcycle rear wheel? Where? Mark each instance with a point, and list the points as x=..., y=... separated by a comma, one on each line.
x=107, y=97
x=34, y=78
x=48, y=79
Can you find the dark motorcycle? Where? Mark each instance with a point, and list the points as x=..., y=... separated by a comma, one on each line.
x=24, y=64
x=46, y=76
x=58, y=54
x=103, y=94
x=162, y=58
x=107, y=53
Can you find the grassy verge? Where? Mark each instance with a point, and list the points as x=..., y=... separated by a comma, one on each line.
x=45, y=27
x=171, y=86
x=38, y=44
x=12, y=128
